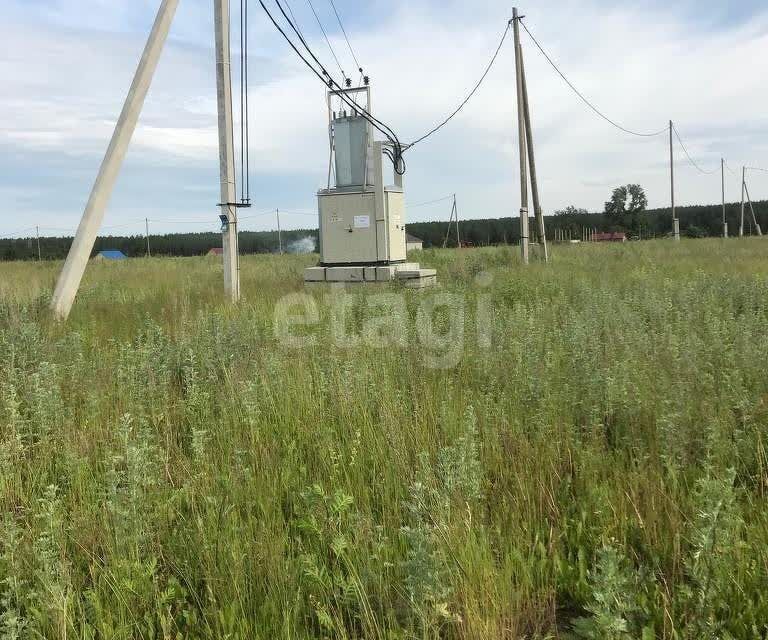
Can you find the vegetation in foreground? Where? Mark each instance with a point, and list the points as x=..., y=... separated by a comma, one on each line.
x=172, y=468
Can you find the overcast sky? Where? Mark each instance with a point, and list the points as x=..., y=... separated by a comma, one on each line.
x=65, y=67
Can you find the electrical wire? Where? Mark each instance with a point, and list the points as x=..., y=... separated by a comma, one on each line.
x=469, y=97
x=757, y=169
x=424, y=204
x=733, y=173
x=328, y=80
x=581, y=95
x=387, y=131
x=293, y=17
x=688, y=155
x=242, y=102
x=344, y=31
x=325, y=35
x=19, y=231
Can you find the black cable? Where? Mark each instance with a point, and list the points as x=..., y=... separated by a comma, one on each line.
x=328, y=80
x=688, y=155
x=389, y=133
x=293, y=17
x=581, y=95
x=325, y=35
x=242, y=102
x=247, y=116
x=471, y=93
x=344, y=31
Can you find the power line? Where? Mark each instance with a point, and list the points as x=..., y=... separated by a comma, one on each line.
x=397, y=155
x=344, y=31
x=293, y=17
x=469, y=97
x=424, y=204
x=688, y=155
x=733, y=173
x=325, y=35
x=583, y=98
x=757, y=169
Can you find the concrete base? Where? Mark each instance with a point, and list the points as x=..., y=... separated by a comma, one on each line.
x=409, y=273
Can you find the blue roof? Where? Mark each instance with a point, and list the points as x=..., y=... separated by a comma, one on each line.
x=113, y=254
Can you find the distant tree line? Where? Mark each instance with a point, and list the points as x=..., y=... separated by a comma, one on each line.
x=176, y=244
x=695, y=222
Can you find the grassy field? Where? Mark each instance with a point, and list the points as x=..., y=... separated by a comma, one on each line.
x=571, y=450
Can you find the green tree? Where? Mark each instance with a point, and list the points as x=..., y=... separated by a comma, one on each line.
x=638, y=202
x=618, y=202
x=617, y=205
x=570, y=210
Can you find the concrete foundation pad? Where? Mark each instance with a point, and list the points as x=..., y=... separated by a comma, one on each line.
x=415, y=274
x=314, y=274
x=385, y=274
x=420, y=283
x=345, y=274
x=410, y=274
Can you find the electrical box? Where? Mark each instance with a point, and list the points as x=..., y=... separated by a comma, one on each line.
x=362, y=220
x=352, y=233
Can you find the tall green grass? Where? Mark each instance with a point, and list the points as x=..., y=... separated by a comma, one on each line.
x=169, y=468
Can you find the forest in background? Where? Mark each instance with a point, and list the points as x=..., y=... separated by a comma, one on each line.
x=695, y=222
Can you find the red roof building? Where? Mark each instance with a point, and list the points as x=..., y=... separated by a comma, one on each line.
x=616, y=236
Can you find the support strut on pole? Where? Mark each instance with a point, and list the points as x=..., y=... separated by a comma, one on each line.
x=522, y=143
x=532, y=161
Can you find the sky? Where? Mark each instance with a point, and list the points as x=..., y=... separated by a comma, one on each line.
x=66, y=65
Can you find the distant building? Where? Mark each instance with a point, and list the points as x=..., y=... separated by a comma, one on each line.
x=617, y=236
x=217, y=251
x=111, y=255
x=412, y=243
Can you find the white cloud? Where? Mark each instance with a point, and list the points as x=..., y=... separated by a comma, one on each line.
x=66, y=86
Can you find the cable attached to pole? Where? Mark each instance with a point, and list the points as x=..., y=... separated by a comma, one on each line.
x=581, y=95
x=328, y=42
x=688, y=155
x=346, y=37
x=469, y=97
x=329, y=81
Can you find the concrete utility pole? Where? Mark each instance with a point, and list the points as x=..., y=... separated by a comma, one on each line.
x=77, y=259
x=226, y=151
x=522, y=138
x=722, y=180
x=279, y=232
x=743, y=188
x=675, y=221
x=532, y=161
x=39, y=253
x=146, y=222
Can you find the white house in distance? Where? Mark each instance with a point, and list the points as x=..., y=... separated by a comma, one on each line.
x=412, y=243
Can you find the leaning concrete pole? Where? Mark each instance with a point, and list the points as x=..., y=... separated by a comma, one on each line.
x=532, y=161
x=752, y=209
x=77, y=259
x=522, y=143
x=226, y=151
